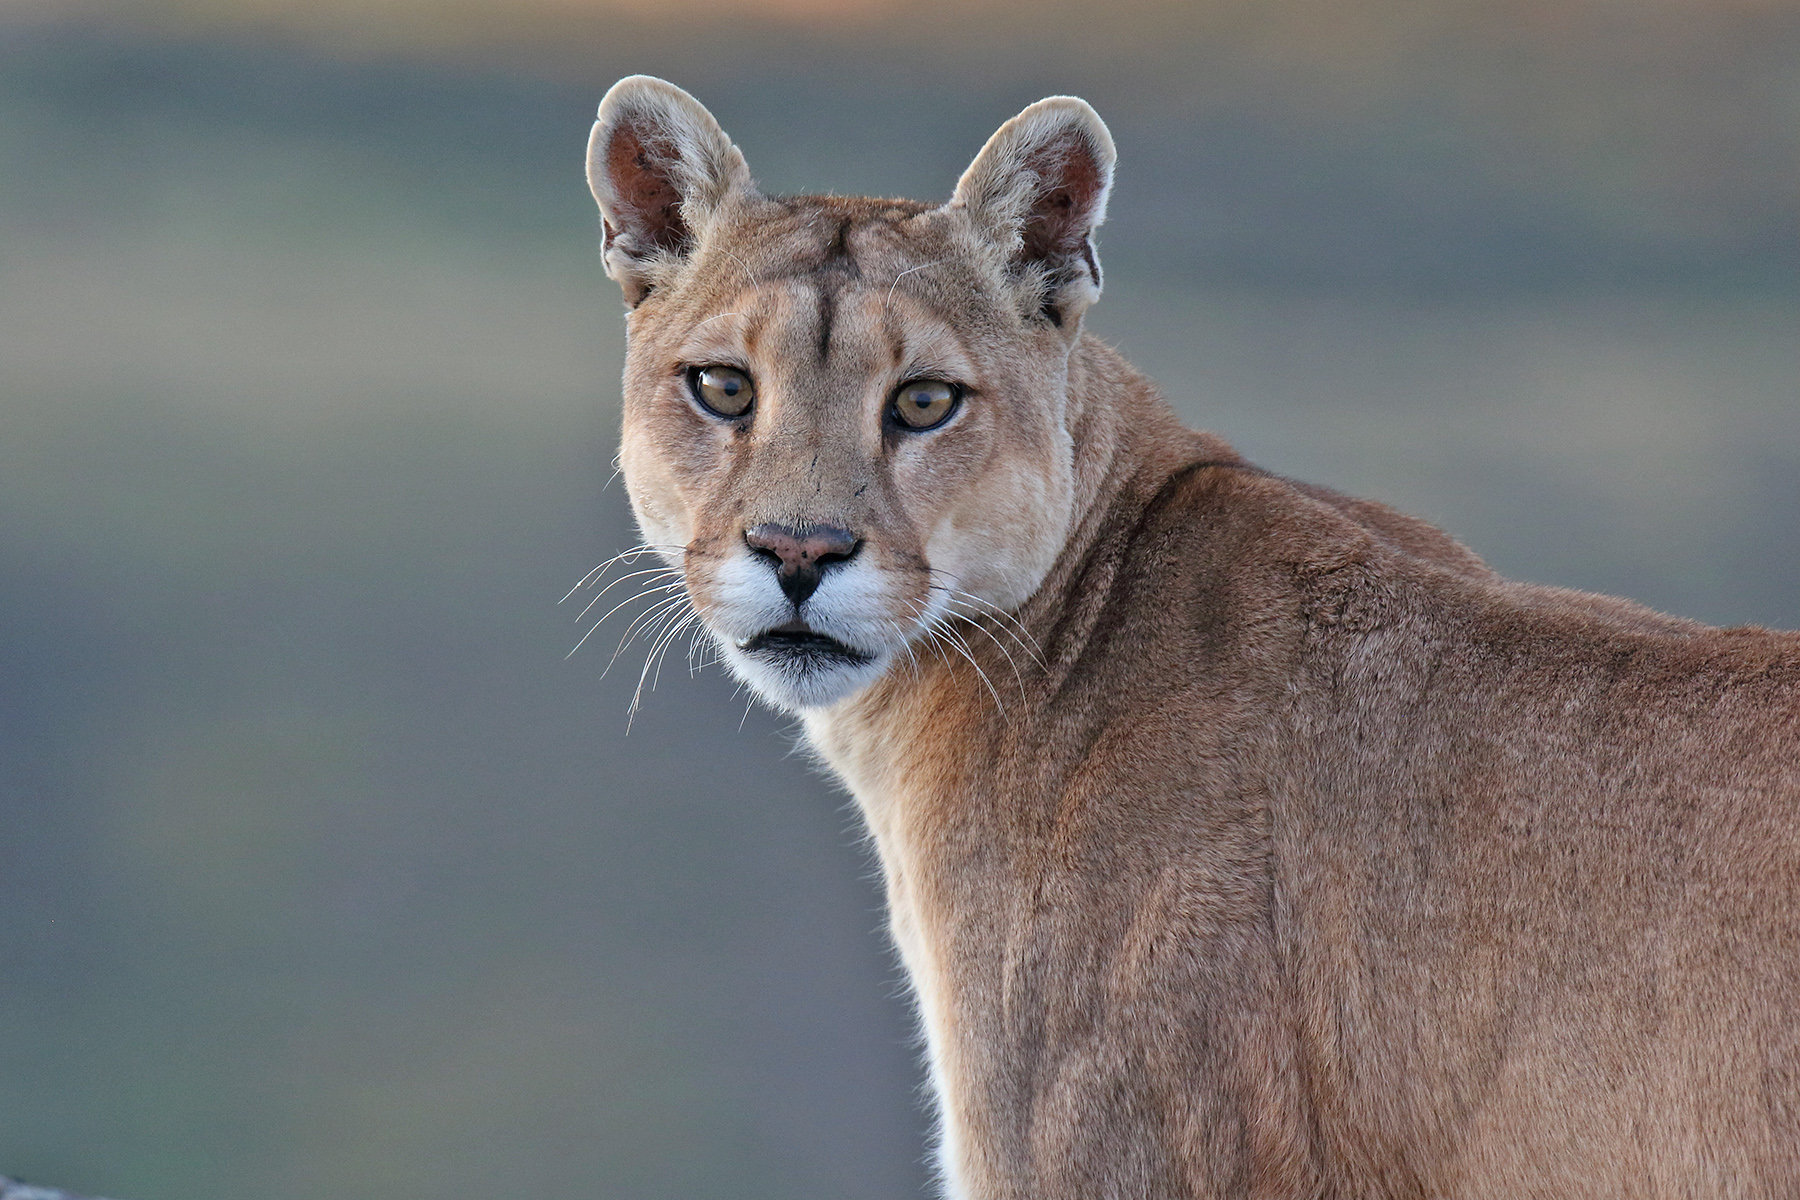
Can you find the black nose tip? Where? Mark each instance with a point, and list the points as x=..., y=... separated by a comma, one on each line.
x=800, y=556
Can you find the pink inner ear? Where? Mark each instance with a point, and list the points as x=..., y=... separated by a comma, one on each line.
x=1062, y=214
x=649, y=205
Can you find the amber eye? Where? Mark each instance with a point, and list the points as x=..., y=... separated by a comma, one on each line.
x=726, y=391
x=924, y=403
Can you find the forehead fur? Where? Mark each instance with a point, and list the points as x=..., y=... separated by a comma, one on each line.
x=835, y=243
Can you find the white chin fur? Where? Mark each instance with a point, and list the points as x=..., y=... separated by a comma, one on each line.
x=794, y=684
x=851, y=606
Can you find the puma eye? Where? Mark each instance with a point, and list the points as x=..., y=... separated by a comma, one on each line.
x=924, y=403
x=725, y=391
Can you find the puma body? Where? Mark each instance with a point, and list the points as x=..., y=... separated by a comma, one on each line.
x=1240, y=838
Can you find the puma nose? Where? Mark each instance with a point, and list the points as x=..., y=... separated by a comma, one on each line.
x=800, y=556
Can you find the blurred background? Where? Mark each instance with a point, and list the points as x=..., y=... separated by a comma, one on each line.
x=324, y=873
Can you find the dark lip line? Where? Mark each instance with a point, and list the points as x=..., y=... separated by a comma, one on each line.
x=796, y=639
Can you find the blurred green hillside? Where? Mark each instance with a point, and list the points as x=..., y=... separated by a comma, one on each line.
x=324, y=872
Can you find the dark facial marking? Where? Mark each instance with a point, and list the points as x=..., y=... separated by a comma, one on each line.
x=835, y=267
x=827, y=312
x=837, y=248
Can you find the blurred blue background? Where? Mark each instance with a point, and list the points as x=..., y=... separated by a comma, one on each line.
x=324, y=873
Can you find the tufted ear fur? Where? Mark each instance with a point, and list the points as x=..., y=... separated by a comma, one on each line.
x=661, y=169
x=1036, y=192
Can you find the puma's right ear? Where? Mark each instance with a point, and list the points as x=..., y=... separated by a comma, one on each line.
x=660, y=168
x=1036, y=192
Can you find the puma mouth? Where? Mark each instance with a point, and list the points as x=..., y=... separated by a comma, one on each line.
x=798, y=640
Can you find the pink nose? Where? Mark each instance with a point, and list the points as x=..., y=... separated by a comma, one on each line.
x=800, y=556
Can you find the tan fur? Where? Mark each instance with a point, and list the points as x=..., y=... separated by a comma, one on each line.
x=1240, y=838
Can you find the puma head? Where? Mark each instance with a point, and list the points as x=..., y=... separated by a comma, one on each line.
x=846, y=420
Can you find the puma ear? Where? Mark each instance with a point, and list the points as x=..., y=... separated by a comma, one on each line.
x=660, y=168
x=1036, y=192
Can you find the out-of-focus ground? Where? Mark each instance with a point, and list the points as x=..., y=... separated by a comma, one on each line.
x=323, y=873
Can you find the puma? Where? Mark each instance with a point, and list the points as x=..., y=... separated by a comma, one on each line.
x=1240, y=838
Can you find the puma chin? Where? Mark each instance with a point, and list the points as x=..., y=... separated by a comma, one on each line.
x=799, y=656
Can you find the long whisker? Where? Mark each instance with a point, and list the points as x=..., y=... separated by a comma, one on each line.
x=980, y=620
x=1007, y=620
x=931, y=633
x=961, y=647
x=673, y=622
x=659, y=652
x=644, y=620
x=633, y=552
x=698, y=644
x=597, y=624
x=673, y=636
x=1027, y=649
x=670, y=572
x=660, y=608
x=1010, y=621
x=636, y=551
x=668, y=615
x=1001, y=646
x=582, y=642
x=934, y=641
x=905, y=644
x=631, y=599
x=671, y=630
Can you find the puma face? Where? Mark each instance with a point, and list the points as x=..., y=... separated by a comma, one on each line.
x=845, y=419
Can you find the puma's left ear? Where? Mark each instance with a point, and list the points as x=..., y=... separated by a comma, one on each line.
x=1036, y=192
x=660, y=168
